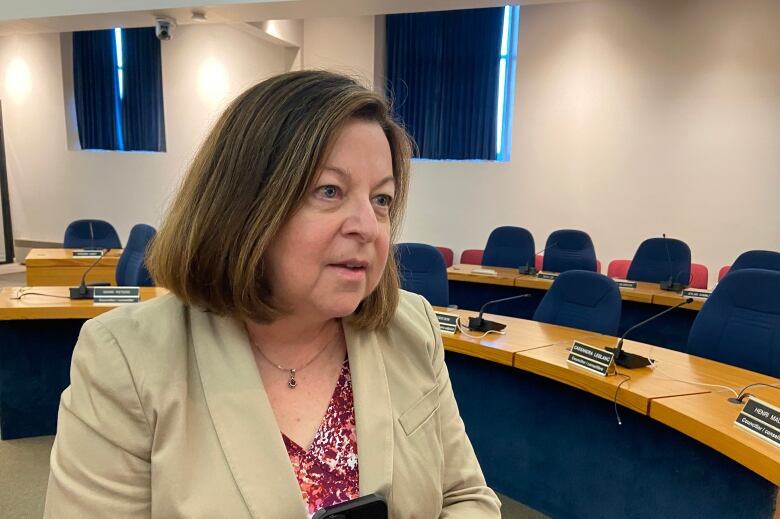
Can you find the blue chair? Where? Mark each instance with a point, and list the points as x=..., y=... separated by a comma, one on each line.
x=582, y=299
x=757, y=259
x=422, y=270
x=651, y=261
x=131, y=270
x=509, y=247
x=568, y=249
x=740, y=322
x=91, y=233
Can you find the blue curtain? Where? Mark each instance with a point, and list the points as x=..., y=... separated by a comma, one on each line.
x=442, y=74
x=142, y=107
x=94, y=85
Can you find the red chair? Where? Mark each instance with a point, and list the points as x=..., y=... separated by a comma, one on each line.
x=471, y=256
x=723, y=271
x=447, y=254
x=618, y=268
x=699, y=276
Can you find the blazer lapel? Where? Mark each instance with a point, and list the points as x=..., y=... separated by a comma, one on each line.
x=243, y=418
x=373, y=411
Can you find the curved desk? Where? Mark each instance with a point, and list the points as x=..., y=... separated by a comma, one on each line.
x=470, y=291
x=58, y=267
x=546, y=432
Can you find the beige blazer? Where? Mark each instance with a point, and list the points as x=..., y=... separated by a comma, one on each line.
x=166, y=417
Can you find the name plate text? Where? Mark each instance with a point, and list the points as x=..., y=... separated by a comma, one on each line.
x=761, y=419
x=696, y=292
x=547, y=275
x=625, y=283
x=448, y=323
x=591, y=358
x=117, y=295
x=81, y=253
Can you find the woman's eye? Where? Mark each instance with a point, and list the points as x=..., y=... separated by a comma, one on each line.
x=383, y=200
x=328, y=192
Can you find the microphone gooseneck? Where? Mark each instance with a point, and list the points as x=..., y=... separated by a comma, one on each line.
x=82, y=292
x=531, y=270
x=479, y=324
x=630, y=360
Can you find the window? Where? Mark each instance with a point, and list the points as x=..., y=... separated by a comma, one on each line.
x=450, y=75
x=506, y=81
x=117, y=82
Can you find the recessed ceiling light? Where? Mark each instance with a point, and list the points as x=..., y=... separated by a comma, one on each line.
x=198, y=16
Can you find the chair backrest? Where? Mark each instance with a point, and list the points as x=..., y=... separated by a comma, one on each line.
x=569, y=249
x=618, y=268
x=739, y=323
x=582, y=299
x=699, y=276
x=447, y=254
x=509, y=247
x=651, y=261
x=757, y=259
x=131, y=269
x=723, y=271
x=471, y=256
x=422, y=271
x=91, y=233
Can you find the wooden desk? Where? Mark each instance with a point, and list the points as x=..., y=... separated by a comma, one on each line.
x=53, y=303
x=710, y=419
x=37, y=337
x=673, y=298
x=58, y=267
x=520, y=335
x=464, y=272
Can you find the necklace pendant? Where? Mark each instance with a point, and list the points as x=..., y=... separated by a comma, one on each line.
x=292, y=383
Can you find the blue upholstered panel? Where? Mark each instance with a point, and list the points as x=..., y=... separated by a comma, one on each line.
x=509, y=247
x=422, y=271
x=740, y=322
x=582, y=299
x=91, y=233
x=569, y=249
x=651, y=261
x=757, y=259
x=131, y=269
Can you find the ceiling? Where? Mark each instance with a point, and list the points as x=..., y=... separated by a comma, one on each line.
x=41, y=16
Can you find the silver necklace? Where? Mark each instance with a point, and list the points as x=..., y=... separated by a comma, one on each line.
x=291, y=382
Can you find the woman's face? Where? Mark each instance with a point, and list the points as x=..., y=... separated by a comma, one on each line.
x=331, y=253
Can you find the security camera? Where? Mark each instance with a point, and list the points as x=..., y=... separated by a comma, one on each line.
x=163, y=28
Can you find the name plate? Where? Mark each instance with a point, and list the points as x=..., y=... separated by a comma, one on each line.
x=484, y=272
x=116, y=295
x=696, y=292
x=625, y=283
x=593, y=359
x=547, y=275
x=448, y=323
x=761, y=419
x=84, y=253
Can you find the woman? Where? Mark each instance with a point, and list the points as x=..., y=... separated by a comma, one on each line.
x=285, y=371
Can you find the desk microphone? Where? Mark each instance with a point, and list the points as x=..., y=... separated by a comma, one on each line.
x=630, y=360
x=671, y=285
x=744, y=394
x=478, y=324
x=83, y=291
x=530, y=270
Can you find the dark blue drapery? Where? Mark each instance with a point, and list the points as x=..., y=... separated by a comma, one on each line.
x=442, y=73
x=134, y=123
x=142, y=107
x=94, y=85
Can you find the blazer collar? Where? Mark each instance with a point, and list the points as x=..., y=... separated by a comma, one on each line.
x=373, y=410
x=243, y=418
x=247, y=429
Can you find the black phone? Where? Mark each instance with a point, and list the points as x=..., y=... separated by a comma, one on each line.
x=372, y=506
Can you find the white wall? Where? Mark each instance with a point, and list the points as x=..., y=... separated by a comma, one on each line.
x=51, y=185
x=631, y=119
x=343, y=45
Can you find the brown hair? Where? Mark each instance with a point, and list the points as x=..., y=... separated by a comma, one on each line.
x=250, y=176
